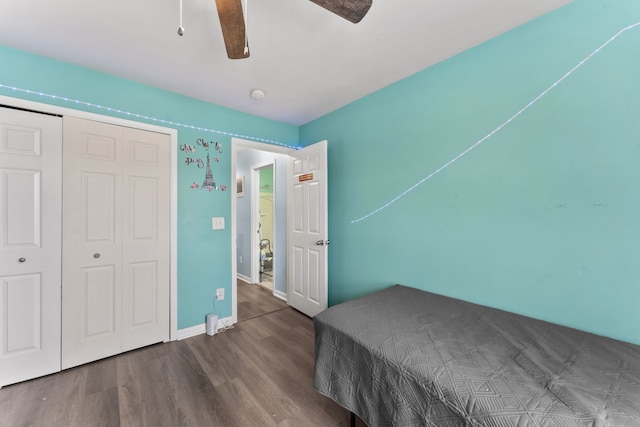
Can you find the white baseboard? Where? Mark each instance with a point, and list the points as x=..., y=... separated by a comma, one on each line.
x=192, y=331
x=280, y=294
x=200, y=329
x=243, y=278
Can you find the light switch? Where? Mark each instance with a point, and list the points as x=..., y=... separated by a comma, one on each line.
x=217, y=223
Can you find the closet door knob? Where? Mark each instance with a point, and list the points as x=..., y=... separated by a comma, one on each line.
x=96, y=255
x=22, y=259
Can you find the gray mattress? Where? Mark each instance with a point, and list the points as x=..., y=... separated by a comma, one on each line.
x=406, y=357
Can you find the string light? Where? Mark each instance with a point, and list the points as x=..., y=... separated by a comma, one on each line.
x=143, y=117
x=496, y=130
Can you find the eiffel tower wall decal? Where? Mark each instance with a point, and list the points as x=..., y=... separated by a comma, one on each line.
x=208, y=178
x=209, y=183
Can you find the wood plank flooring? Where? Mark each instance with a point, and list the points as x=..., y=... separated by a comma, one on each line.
x=260, y=373
x=254, y=300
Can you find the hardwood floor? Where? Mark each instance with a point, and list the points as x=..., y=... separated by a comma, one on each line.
x=260, y=373
x=254, y=300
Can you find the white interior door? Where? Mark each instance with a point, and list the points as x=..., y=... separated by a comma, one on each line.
x=307, y=229
x=116, y=240
x=30, y=219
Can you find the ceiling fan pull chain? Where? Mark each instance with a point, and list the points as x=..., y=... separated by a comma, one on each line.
x=180, y=28
x=246, y=26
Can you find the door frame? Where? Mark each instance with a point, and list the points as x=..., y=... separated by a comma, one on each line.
x=173, y=134
x=239, y=145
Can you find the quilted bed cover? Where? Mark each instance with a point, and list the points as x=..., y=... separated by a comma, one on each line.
x=406, y=357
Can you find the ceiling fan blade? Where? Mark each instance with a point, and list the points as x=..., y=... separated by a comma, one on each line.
x=233, y=30
x=351, y=10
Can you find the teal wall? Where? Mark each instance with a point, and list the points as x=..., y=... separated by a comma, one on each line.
x=543, y=217
x=540, y=219
x=204, y=256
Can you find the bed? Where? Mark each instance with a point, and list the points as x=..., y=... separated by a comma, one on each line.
x=406, y=357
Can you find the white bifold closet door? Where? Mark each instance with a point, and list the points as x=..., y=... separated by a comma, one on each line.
x=30, y=219
x=116, y=248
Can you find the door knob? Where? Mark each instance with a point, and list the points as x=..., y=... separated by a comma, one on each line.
x=96, y=255
x=22, y=259
x=322, y=242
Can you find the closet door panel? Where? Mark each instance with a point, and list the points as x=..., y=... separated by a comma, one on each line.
x=146, y=233
x=99, y=308
x=22, y=305
x=116, y=246
x=92, y=244
x=30, y=216
x=99, y=215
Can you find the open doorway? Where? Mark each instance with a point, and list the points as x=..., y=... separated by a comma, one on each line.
x=259, y=246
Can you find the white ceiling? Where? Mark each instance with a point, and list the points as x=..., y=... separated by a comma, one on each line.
x=308, y=61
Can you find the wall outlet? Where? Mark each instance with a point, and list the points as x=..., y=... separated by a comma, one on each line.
x=219, y=294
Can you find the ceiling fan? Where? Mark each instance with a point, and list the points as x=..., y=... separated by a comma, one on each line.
x=233, y=23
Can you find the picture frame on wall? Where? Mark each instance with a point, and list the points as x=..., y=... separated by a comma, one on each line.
x=240, y=186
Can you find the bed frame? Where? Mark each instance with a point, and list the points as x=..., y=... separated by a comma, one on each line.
x=406, y=357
